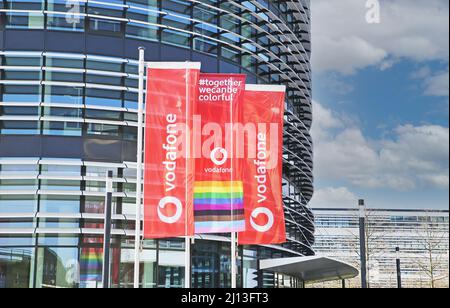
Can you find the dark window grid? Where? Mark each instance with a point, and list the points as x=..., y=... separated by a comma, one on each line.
x=188, y=35
x=83, y=94
x=89, y=19
x=176, y=6
x=220, y=24
x=122, y=14
x=224, y=58
x=119, y=33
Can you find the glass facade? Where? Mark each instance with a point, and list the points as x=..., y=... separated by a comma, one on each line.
x=421, y=235
x=68, y=114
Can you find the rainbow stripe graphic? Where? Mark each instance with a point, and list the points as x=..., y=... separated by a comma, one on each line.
x=91, y=261
x=219, y=207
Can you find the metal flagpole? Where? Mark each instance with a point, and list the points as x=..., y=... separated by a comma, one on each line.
x=233, y=261
x=187, y=241
x=187, y=268
x=399, y=268
x=362, y=243
x=137, y=236
x=233, y=233
x=107, y=234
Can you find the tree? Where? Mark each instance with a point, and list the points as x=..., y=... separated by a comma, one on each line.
x=434, y=262
x=376, y=246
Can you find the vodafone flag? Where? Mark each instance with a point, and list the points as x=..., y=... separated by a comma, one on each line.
x=263, y=114
x=218, y=193
x=168, y=166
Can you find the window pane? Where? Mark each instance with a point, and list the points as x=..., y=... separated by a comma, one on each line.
x=25, y=111
x=22, y=61
x=57, y=267
x=66, y=63
x=104, y=25
x=63, y=112
x=70, y=18
x=22, y=75
x=62, y=128
x=105, y=80
x=60, y=204
x=64, y=77
x=104, y=65
x=103, y=114
x=35, y=5
x=18, y=204
x=18, y=184
x=103, y=129
x=19, y=127
x=16, y=267
x=151, y=4
x=143, y=32
x=175, y=38
x=60, y=185
x=22, y=94
x=24, y=20
x=103, y=98
x=60, y=169
x=63, y=95
x=205, y=45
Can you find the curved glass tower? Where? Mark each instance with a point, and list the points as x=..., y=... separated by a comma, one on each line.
x=68, y=113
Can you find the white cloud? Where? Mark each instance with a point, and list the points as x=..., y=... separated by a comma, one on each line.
x=434, y=84
x=333, y=197
x=337, y=85
x=345, y=55
x=438, y=85
x=343, y=41
x=416, y=156
x=422, y=73
x=439, y=180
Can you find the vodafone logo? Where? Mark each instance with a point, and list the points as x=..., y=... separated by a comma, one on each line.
x=270, y=219
x=162, y=205
x=215, y=153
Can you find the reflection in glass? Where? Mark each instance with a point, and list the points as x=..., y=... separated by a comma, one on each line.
x=16, y=267
x=57, y=268
x=91, y=258
x=18, y=204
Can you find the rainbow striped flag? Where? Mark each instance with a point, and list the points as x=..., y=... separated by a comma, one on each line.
x=91, y=261
x=219, y=207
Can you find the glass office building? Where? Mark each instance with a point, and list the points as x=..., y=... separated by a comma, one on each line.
x=421, y=235
x=68, y=114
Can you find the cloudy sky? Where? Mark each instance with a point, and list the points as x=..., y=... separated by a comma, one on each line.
x=381, y=103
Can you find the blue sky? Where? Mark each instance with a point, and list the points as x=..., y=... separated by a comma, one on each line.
x=381, y=103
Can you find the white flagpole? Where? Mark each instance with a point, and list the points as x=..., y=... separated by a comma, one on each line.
x=233, y=233
x=187, y=241
x=233, y=261
x=187, y=269
x=137, y=236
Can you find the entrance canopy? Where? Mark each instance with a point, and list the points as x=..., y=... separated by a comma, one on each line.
x=310, y=269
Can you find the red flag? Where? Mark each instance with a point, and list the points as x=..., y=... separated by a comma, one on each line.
x=263, y=112
x=168, y=165
x=218, y=194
